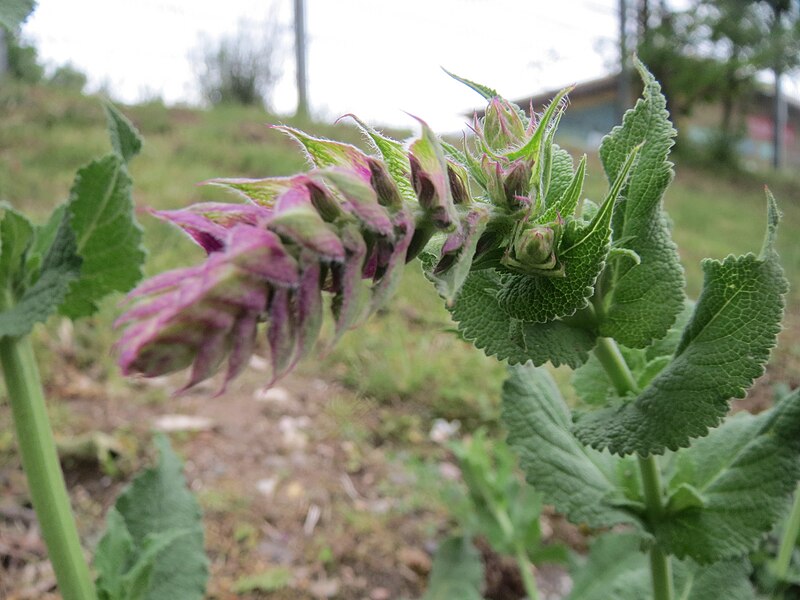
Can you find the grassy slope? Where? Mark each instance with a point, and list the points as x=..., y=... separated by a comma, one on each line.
x=403, y=354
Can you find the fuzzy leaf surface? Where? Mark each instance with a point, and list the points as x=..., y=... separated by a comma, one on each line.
x=60, y=267
x=722, y=350
x=457, y=572
x=745, y=471
x=107, y=234
x=158, y=502
x=579, y=481
x=644, y=299
x=125, y=139
x=482, y=321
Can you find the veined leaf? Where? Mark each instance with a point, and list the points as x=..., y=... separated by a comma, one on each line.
x=60, y=267
x=163, y=524
x=125, y=139
x=16, y=233
x=745, y=471
x=579, y=481
x=482, y=321
x=583, y=252
x=108, y=237
x=723, y=349
x=485, y=91
x=457, y=572
x=643, y=299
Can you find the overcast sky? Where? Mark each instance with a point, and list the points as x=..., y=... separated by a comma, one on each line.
x=374, y=58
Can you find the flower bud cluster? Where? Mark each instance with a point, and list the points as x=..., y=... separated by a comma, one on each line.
x=344, y=228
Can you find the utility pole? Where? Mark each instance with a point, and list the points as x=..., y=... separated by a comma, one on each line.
x=3, y=54
x=624, y=83
x=300, y=58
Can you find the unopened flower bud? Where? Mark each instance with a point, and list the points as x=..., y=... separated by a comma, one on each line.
x=504, y=125
x=534, y=247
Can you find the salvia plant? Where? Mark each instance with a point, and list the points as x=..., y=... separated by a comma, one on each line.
x=532, y=273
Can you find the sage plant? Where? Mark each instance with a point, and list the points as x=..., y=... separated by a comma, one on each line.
x=533, y=273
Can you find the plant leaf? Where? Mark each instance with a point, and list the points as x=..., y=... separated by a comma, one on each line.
x=158, y=503
x=723, y=349
x=16, y=233
x=457, y=572
x=746, y=471
x=107, y=234
x=482, y=321
x=485, y=91
x=617, y=568
x=643, y=299
x=125, y=138
x=60, y=267
x=112, y=557
x=580, y=482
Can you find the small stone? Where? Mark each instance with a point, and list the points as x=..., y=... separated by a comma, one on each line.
x=449, y=471
x=170, y=423
x=415, y=559
x=380, y=593
x=267, y=486
x=324, y=588
x=295, y=490
x=273, y=395
x=442, y=430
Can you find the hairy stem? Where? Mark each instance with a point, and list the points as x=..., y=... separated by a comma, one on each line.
x=613, y=362
x=789, y=538
x=40, y=462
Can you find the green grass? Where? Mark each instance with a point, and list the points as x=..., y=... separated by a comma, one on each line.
x=403, y=356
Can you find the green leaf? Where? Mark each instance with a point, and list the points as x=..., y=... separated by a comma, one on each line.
x=723, y=349
x=113, y=556
x=582, y=252
x=457, y=572
x=158, y=503
x=108, y=236
x=16, y=233
x=644, y=299
x=125, y=138
x=60, y=267
x=487, y=92
x=745, y=471
x=617, y=568
x=580, y=482
x=561, y=178
x=482, y=321
x=13, y=13
x=136, y=582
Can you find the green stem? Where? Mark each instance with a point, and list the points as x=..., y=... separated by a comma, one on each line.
x=42, y=469
x=528, y=580
x=789, y=539
x=613, y=362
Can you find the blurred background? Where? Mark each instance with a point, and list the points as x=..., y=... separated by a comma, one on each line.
x=341, y=482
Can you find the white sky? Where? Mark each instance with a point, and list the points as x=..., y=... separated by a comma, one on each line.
x=374, y=58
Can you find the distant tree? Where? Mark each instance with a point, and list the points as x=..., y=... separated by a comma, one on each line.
x=242, y=68
x=22, y=60
x=68, y=77
x=712, y=51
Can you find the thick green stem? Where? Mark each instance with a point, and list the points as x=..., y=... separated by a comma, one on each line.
x=789, y=539
x=528, y=580
x=613, y=362
x=42, y=469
